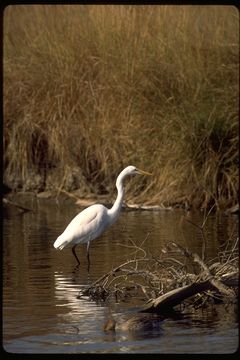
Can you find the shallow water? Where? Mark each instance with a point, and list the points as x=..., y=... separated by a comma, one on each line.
x=41, y=311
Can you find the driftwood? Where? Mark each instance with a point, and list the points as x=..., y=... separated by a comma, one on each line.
x=21, y=208
x=166, y=282
x=174, y=297
x=166, y=302
x=148, y=207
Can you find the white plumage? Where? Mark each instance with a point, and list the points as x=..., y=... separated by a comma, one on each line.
x=94, y=220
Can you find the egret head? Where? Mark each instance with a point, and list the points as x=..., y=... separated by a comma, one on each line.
x=128, y=171
x=132, y=170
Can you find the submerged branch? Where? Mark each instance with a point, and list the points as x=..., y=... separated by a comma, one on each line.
x=21, y=208
x=166, y=282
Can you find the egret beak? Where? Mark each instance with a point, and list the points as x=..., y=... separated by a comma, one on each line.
x=143, y=172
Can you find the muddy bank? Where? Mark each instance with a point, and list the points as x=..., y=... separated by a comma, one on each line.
x=84, y=193
x=15, y=199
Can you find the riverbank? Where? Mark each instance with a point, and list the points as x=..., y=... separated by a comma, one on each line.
x=17, y=200
x=89, y=90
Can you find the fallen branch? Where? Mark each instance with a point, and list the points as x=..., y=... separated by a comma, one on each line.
x=214, y=281
x=166, y=281
x=101, y=282
x=174, y=297
x=19, y=207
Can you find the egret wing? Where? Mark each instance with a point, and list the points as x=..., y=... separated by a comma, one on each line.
x=87, y=225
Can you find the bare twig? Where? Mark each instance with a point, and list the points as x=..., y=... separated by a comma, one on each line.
x=170, y=277
x=20, y=207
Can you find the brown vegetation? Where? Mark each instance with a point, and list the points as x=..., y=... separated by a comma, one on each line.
x=91, y=89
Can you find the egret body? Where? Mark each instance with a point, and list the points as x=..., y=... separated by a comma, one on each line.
x=94, y=220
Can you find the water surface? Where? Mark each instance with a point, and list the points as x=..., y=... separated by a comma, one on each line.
x=41, y=311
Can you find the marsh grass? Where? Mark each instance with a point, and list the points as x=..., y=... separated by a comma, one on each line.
x=98, y=87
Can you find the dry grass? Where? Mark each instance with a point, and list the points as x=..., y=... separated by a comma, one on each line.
x=98, y=87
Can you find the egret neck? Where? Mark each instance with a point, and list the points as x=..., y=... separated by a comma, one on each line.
x=116, y=208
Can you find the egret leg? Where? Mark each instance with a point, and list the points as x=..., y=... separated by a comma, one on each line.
x=74, y=253
x=88, y=257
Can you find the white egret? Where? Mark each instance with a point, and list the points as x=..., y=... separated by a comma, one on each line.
x=94, y=220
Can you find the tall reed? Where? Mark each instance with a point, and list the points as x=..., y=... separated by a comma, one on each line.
x=89, y=89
